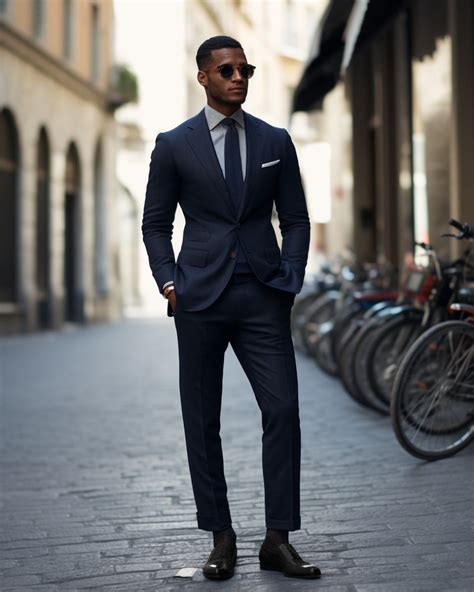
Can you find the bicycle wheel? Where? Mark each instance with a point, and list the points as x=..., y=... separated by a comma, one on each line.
x=298, y=318
x=432, y=405
x=386, y=351
x=342, y=324
x=321, y=349
x=360, y=367
x=352, y=356
x=320, y=311
x=324, y=349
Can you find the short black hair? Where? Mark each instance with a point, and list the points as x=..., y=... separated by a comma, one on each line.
x=203, y=55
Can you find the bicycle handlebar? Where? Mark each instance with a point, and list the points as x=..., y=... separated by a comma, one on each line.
x=466, y=230
x=428, y=248
x=456, y=224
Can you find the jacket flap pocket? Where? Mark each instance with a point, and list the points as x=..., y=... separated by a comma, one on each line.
x=195, y=257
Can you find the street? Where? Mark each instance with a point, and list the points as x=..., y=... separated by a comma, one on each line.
x=96, y=494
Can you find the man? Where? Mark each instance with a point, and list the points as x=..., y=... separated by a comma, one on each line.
x=231, y=284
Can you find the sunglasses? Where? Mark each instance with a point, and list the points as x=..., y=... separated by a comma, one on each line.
x=227, y=70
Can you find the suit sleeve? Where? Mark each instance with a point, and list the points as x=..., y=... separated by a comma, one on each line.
x=292, y=212
x=161, y=200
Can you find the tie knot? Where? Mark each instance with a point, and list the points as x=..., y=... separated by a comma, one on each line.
x=228, y=122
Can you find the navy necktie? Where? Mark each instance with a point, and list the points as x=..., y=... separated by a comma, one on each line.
x=233, y=162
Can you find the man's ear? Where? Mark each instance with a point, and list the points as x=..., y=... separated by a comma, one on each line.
x=202, y=78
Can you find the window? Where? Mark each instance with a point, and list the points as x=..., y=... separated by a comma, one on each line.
x=38, y=18
x=68, y=29
x=3, y=7
x=95, y=43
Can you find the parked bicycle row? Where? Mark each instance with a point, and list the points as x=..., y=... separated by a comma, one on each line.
x=405, y=350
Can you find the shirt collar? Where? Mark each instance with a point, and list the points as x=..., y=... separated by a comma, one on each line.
x=214, y=117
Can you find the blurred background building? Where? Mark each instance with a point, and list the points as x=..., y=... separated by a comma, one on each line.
x=59, y=89
x=73, y=166
x=377, y=96
x=391, y=84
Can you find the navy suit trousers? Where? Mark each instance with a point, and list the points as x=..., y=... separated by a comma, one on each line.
x=255, y=319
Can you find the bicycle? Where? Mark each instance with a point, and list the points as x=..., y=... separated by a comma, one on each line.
x=432, y=401
x=391, y=326
x=391, y=341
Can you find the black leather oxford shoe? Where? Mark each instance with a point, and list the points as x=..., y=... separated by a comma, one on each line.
x=221, y=562
x=285, y=558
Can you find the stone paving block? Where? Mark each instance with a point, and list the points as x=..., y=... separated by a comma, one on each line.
x=91, y=547
x=36, y=588
x=31, y=544
x=20, y=580
x=133, y=580
x=394, y=550
x=24, y=553
x=423, y=585
x=8, y=563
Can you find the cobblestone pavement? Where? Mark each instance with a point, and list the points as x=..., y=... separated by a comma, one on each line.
x=96, y=492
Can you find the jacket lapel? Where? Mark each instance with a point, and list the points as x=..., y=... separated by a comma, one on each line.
x=200, y=141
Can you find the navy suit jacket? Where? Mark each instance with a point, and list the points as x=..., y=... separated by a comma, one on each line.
x=184, y=169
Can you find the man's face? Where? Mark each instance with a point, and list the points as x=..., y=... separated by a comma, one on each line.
x=219, y=90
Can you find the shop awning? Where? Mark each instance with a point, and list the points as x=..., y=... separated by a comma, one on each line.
x=345, y=27
x=321, y=73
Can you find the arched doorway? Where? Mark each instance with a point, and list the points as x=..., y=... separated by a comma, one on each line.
x=73, y=293
x=42, y=230
x=100, y=226
x=9, y=169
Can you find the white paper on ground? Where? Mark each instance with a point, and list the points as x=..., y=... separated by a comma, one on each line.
x=186, y=572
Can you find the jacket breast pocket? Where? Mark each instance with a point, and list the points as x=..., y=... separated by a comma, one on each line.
x=194, y=257
x=271, y=170
x=268, y=177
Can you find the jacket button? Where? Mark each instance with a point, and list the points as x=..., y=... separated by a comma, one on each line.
x=233, y=254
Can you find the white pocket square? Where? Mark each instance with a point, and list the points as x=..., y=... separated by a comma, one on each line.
x=271, y=163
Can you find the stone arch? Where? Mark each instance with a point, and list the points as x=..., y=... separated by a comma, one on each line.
x=9, y=225
x=73, y=264
x=42, y=239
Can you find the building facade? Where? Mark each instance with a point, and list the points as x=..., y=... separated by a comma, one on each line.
x=58, y=237
x=408, y=93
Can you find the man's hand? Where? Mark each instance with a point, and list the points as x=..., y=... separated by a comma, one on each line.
x=168, y=293
x=172, y=299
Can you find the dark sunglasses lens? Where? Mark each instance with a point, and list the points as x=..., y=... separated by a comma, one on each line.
x=227, y=71
x=246, y=71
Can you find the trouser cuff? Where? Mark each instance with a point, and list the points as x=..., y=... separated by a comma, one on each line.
x=294, y=524
x=213, y=522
